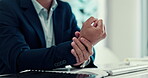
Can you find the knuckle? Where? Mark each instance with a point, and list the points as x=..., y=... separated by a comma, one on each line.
x=83, y=49
x=79, y=43
x=91, y=17
x=75, y=39
x=84, y=23
x=80, y=54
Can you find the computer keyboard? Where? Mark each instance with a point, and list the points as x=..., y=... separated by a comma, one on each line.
x=126, y=69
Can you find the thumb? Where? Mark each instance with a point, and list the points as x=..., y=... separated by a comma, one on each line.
x=77, y=34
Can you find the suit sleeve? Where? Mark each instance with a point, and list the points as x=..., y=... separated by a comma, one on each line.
x=75, y=28
x=15, y=53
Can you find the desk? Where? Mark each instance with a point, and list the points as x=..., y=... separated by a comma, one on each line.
x=141, y=74
x=47, y=75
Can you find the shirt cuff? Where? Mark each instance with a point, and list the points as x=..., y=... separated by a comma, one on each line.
x=85, y=63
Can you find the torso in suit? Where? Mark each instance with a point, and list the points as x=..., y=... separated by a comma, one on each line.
x=22, y=42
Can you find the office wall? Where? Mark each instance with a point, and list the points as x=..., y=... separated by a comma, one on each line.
x=124, y=29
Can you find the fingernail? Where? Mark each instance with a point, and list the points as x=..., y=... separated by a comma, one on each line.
x=73, y=38
x=72, y=50
x=82, y=39
x=72, y=43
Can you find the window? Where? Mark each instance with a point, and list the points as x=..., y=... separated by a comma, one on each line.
x=83, y=9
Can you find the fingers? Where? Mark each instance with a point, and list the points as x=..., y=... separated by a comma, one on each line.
x=104, y=33
x=100, y=24
x=88, y=45
x=78, y=51
x=82, y=48
x=100, y=27
x=90, y=21
x=96, y=23
x=77, y=64
x=75, y=54
x=103, y=28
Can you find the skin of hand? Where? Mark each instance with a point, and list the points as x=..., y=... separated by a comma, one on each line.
x=93, y=30
x=82, y=50
x=91, y=33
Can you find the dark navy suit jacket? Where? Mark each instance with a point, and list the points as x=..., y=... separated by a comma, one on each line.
x=22, y=42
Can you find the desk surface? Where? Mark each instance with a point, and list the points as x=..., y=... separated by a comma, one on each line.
x=141, y=74
x=47, y=75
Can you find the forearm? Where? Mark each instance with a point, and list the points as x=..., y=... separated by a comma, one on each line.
x=47, y=58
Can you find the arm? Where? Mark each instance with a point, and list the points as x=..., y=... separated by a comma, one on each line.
x=17, y=56
x=74, y=29
x=15, y=53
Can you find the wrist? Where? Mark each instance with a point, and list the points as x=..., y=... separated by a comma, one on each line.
x=83, y=65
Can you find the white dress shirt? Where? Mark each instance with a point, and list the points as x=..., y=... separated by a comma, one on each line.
x=46, y=21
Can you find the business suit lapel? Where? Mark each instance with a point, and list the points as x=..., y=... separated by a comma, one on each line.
x=57, y=25
x=30, y=13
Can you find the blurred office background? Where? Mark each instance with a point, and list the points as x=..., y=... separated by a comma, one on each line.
x=126, y=24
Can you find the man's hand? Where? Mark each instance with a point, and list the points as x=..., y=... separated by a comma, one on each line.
x=93, y=30
x=91, y=33
x=81, y=52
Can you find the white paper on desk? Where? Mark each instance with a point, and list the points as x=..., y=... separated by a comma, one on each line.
x=89, y=71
